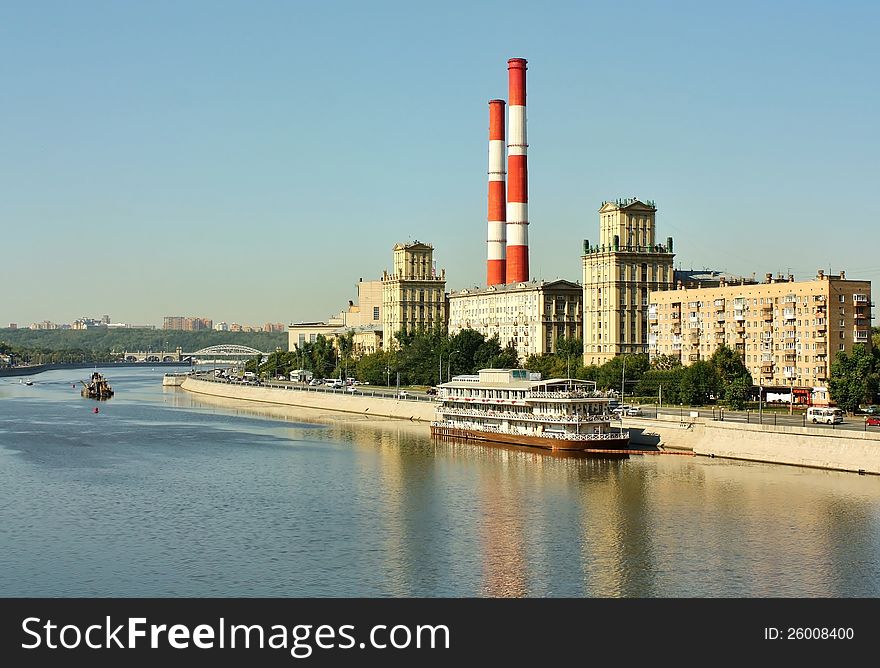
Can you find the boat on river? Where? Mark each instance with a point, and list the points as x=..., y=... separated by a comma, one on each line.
x=516, y=406
x=97, y=387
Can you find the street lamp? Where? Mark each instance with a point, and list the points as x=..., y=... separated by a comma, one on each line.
x=623, y=378
x=449, y=365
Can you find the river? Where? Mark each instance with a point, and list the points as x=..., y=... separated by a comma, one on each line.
x=163, y=493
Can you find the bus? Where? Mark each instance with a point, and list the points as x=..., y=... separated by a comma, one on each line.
x=825, y=415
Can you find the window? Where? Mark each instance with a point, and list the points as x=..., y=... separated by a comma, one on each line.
x=375, y=313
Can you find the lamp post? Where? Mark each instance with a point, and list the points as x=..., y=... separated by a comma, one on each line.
x=449, y=365
x=761, y=404
x=623, y=379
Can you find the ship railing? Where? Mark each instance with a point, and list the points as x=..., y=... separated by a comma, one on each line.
x=577, y=394
x=568, y=436
x=540, y=417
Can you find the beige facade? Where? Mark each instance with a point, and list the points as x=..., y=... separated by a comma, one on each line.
x=413, y=294
x=367, y=311
x=531, y=315
x=788, y=332
x=301, y=333
x=619, y=273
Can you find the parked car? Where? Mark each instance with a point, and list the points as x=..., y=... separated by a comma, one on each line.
x=314, y=381
x=633, y=411
x=402, y=394
x=873, y=420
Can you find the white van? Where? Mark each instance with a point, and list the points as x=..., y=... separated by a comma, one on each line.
x=825, y=415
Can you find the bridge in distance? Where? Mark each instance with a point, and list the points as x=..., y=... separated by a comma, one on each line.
x=225, y=352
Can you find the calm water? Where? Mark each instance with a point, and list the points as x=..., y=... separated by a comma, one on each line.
x=165, y=494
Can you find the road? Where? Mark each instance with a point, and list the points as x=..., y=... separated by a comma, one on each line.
x=797, y=419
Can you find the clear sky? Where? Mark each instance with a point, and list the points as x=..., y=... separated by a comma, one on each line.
x=250, y=161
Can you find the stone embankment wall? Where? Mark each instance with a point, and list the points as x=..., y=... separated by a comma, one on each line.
x=818, y=447
x=405, y=409
x=815, y=446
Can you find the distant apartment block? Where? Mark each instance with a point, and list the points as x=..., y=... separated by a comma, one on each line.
x=532, y=316
x=13, y=325
x=187, y=324
x=788, y=332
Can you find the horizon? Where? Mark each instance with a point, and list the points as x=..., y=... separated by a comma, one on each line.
x=251, y=164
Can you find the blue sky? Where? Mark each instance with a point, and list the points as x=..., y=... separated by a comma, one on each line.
x=250, y=162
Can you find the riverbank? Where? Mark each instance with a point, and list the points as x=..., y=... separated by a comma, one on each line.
x=362, y=403
x=814, y=447
x=40, y=368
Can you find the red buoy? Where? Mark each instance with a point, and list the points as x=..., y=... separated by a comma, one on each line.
x=96, y=410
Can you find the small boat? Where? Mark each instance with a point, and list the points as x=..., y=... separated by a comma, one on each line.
x=97, y=387
x=28, y=382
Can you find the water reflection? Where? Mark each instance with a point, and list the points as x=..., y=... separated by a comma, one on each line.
x=169, y=493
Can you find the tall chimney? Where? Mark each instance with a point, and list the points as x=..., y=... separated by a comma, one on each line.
x=517, y=174
x=496, y=270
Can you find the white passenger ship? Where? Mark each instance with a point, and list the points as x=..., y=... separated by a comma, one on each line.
x=515, y=406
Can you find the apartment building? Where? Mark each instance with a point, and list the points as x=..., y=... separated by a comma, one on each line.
x=788, y=332
x=530, y=315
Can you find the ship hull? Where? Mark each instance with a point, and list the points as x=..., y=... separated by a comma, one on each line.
x=613, y=444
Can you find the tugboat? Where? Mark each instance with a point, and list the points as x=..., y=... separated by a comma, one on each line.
x=97, y=387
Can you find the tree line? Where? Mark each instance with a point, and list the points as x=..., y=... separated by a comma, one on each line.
x=106, y=345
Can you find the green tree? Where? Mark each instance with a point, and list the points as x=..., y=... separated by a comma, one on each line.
x=854, y=378
x=665, y=362
x=375, y=368
x=698, y=383
x=737, y=392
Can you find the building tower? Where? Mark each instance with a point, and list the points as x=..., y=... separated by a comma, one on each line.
x=517, y=269
x=619, y=273
x=497, y=237
x=413, y=294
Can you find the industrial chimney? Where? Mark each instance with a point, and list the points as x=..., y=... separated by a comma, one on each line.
x=517, y=174
x=496, y=270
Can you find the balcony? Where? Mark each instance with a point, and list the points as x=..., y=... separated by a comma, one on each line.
x=860, y=316
x=860, y=299
x=789, y=314
x=790, y=357
x=739, y=315
x=720, y=317
x=719, y=329
x=694, y=357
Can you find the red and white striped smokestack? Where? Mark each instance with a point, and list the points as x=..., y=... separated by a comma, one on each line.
x=517, y=175
x=496, y=270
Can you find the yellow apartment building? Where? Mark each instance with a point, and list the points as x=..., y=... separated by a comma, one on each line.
x=787, y=332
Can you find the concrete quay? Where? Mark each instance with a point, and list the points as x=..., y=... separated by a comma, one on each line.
x=812, y=446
